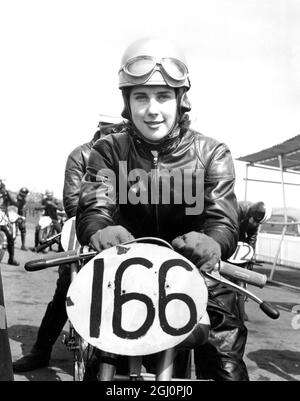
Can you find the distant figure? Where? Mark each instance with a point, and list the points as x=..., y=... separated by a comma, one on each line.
x=251, y=215
x=22, y=209
x=50, y=205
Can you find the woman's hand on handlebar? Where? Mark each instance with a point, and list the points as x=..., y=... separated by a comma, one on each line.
x=110, y=236
x=200, y=249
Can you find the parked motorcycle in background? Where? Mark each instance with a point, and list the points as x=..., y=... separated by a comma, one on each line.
x=46, y=234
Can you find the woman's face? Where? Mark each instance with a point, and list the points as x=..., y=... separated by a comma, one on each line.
x=153, y=110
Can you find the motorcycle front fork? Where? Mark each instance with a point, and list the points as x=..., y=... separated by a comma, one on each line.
x=164, y=368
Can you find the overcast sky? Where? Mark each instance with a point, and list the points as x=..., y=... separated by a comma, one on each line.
x=59, y=64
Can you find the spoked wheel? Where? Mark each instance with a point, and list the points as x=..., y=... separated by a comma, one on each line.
x=44, y=234
x=82, y=355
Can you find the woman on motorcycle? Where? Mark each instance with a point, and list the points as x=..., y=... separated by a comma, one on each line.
x=142, y=183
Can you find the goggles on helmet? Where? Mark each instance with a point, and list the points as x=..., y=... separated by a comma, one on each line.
x=139, y=70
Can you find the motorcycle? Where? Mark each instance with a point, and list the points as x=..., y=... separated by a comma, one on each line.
x=137, y=300
x=9, y=220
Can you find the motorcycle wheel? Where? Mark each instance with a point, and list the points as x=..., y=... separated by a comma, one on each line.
x=82, y=353
x=2, y=245
x=43, y=235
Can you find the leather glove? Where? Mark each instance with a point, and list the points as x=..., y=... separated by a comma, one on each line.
x=110, y=236
x=200, y=249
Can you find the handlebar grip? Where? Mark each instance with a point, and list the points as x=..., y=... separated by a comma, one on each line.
x=242, y=274
x=44, y=263
x=269, y=310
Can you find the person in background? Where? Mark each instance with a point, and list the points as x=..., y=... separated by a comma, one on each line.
x=6, y=200
x=50, y=206
x=251, y=215
x=22, y=209
x=55, y=316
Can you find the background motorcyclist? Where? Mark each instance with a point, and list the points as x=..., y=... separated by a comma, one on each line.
x=56, y=316
x=251, y=215
x=50, y=205
x=154, y=80
x=7, y=199
x=22, y=209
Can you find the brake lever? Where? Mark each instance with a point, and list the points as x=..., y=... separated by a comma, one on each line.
x=266, y=307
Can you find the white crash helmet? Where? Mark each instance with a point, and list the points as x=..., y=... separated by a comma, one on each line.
x=153, y=61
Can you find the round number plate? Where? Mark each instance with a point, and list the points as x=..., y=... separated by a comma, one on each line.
x=136, y=299
x=243, y=253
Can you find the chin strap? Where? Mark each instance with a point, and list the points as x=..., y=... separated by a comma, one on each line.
x=168, y=142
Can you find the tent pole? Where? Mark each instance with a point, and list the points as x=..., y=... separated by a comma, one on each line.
x=246, y=181
x=285, y=218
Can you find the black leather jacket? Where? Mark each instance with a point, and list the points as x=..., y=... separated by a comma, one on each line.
x=74, y=171
x=191, y=151
x=76, y=168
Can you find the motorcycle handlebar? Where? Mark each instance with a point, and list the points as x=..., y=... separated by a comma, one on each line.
x=226, y=269
x=239, y=273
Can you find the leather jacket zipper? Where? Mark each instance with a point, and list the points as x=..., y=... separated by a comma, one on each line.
x=156, y=186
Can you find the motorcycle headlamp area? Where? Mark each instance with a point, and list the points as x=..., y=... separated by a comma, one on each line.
x=128, y=304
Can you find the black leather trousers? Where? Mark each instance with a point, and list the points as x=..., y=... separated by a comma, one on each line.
x=56, y=315
x=221, y=358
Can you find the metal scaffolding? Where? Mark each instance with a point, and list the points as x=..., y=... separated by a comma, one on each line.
x=282, y=158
